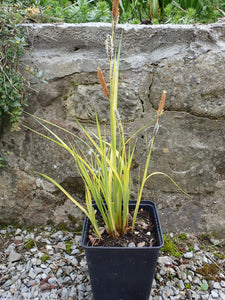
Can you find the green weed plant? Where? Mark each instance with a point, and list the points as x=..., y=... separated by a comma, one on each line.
x=193, y=11
x=170, y=247
x=131, y=11
x=12, y=44
x=2, y=162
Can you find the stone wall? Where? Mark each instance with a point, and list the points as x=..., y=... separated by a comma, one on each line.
x=187, y=61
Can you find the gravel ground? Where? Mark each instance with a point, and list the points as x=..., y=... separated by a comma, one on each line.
x=50, y=264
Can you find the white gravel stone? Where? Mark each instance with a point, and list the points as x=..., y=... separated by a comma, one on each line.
x=33, y=250
x=43, y=266
x=18, y=231
x=181, y=285
x=14, y=256
x=165, y=260
x=32, y=274
x=75, y=251
x=222, y=295
x=216, y=285
x=10, y=248
x=214, y=294
x=43, y=276
x=37, y=238
x=71, y=259
x=177, y=297
x=48, y=247
x=38, y=262
x=65, y=294
x=194, y=295
x=205, y=296
x=59, y=273
x=188, y=255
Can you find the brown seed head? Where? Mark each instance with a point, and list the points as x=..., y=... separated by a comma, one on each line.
x=115, y=10
x=103, y=83
x=162, y=103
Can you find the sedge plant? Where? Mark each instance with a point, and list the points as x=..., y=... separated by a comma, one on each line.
x=107, y=171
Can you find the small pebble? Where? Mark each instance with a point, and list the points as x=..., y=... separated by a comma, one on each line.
x=188, y=255
x=214, y=294
x=216, y=285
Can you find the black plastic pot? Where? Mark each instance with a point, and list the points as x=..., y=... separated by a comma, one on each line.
x=119, y=273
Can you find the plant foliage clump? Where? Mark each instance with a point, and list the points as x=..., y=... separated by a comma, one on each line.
x=79, y=11
x=106, y=168
x=192, y=11
x=131, y=11
x=11, y=81
x=170, y=247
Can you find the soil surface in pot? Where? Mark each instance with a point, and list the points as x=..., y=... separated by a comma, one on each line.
x=143, y=234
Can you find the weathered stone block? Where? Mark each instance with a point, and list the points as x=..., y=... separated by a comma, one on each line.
x=187, y=61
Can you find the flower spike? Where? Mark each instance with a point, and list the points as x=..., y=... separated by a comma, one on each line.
x=103, y=83
x=115, y=10
x=162, y=103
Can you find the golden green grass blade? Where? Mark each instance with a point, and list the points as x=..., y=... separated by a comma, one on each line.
x=51, y=139
x=91, y=212
x=111, y=166
x=143, y=182
x=52, y=133
x=60, y=143
x=97, y=189
x=93, y=183
x=117, y=191
x=113, y=124
x=140, y=129
x=66, y=193
x=126, y=190
x=99, y=134
x=103, y=168
x=164, y=174
x=79, y=159
x=38, y=119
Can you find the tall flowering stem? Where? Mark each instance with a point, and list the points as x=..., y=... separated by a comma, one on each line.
x=150, y=146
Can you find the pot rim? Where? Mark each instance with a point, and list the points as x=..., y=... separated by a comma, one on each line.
x=144, y=203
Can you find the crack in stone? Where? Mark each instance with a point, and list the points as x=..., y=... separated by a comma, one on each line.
x=197, y=115
x=142, y=104
x=192, y=113
x=151, y=84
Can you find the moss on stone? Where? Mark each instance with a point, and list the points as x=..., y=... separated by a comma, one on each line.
x=209, y=271
x=219, y=255
x=183, y=236
x=63, y=226
x=69, y=244
x=170, y=247
x=29, y=244
x=188, y=286
x=45, y=257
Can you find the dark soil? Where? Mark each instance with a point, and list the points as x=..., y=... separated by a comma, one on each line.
x=143, y=235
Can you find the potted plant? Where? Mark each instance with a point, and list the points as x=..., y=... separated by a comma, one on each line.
x=121, y=238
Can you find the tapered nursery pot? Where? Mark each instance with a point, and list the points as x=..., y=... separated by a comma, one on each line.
x=122, y=273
